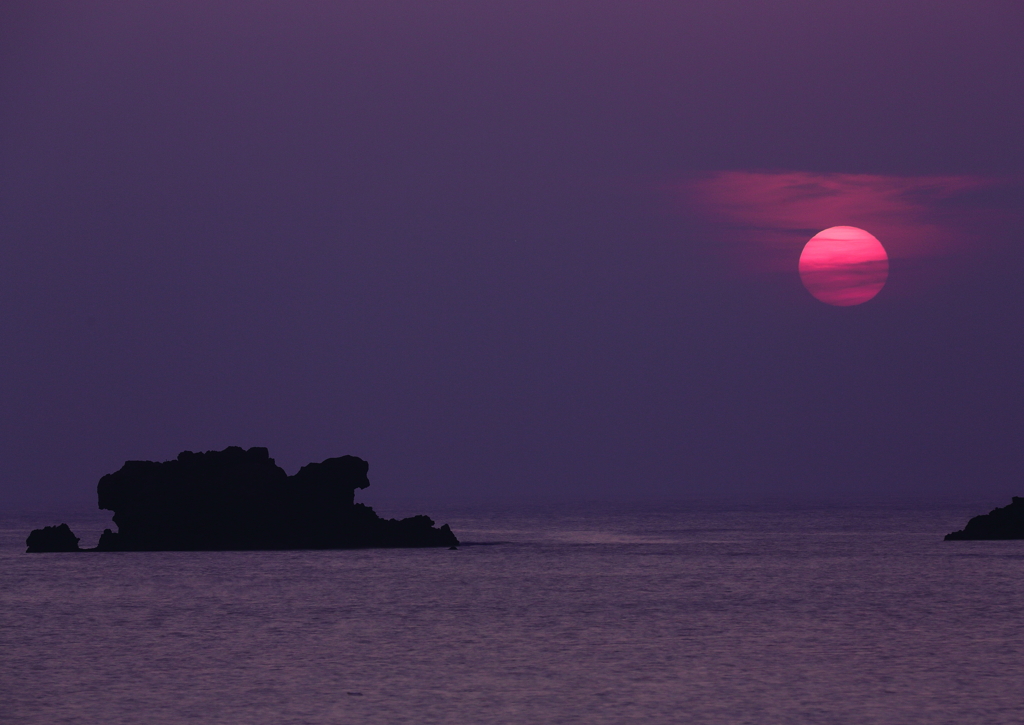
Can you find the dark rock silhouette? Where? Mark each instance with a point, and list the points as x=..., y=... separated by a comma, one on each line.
x=52, y=538
x=1001, y=523
x=239, y=499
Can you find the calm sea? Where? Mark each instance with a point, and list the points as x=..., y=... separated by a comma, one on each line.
x=579, y=616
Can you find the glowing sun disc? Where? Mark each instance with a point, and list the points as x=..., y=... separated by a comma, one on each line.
x=844, y=266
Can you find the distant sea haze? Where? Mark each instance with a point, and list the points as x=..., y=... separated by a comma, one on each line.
x=575, y=615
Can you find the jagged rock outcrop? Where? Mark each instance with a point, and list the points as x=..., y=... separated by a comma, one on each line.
x=239, y=499
x=1000, y=523
x=52, y=538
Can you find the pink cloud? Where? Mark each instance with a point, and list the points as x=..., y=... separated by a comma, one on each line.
x=763, y=219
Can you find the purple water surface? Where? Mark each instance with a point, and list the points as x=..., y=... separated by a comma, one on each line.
x=579, y=616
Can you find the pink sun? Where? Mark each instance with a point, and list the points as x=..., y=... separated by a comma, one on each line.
x=844, y=266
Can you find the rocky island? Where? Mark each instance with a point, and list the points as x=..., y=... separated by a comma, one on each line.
x=1000, y=523
x=239, y=499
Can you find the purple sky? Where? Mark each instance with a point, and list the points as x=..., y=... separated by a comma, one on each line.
x=447, y=237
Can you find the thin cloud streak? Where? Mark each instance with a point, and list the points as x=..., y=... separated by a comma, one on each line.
x=846, y=285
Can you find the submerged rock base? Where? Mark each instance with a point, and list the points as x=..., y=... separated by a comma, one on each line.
x=1001, y=523
x=239, y=499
